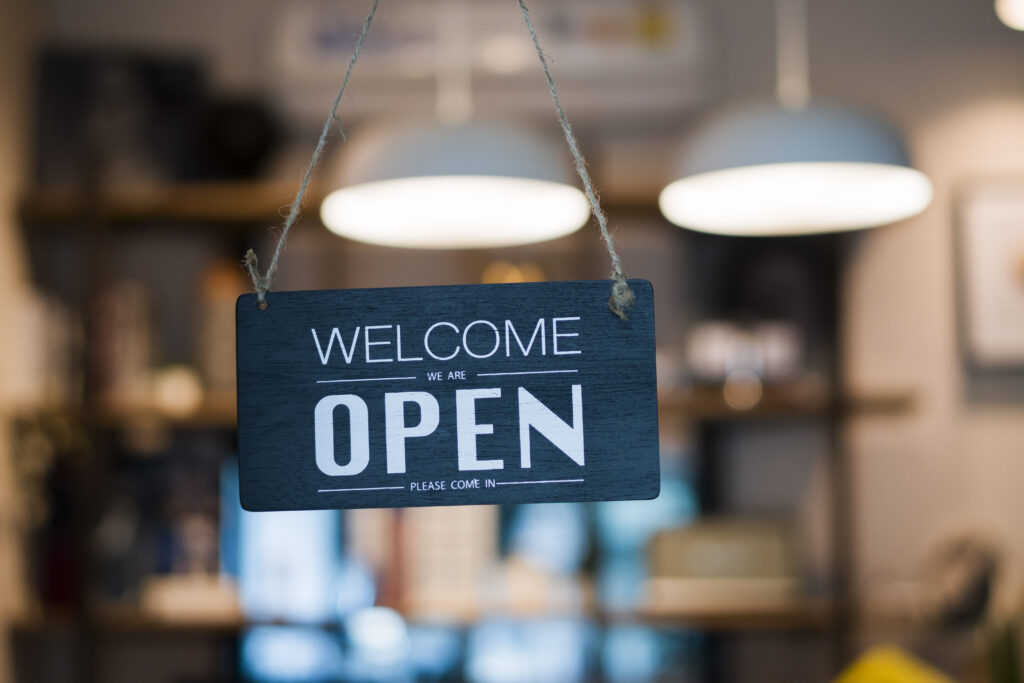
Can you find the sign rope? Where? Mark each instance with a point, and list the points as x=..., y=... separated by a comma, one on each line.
x=262, y=282
x=622, y=296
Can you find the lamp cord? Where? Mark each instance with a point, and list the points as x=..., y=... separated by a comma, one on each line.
x=792, y=64
x=262, y=282
x=622, y=296
x=454, y=82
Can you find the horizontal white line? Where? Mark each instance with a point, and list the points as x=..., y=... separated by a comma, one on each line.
x=373, y=488
x=365, y=379
x=545, y=481
x=531, y=372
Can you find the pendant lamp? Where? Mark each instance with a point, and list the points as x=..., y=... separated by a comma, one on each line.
x=456, y=184
x=452, y=187
x=1011, y=13
x=792, y=168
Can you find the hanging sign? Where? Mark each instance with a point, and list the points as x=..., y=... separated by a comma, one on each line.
x=446, y=396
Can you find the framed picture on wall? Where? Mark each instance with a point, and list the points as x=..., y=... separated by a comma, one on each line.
x=990, y=248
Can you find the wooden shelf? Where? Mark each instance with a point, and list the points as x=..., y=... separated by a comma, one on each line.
x=701, y=403
x=798, y=615
x=133, y=624
x=216, y=411
x=223, y=202
x=789, y=401
x=890, y=403
x=217, y=202
x=803, y=615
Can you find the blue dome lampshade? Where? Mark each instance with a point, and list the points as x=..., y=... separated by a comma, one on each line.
x=452, y=187
x=768, y=170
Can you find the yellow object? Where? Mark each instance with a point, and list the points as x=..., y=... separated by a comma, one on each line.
x=890, y=665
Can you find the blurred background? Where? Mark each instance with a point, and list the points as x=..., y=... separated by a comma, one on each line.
x=841, y=413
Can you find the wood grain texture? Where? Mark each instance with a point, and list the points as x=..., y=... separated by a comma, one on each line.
x=282, y=375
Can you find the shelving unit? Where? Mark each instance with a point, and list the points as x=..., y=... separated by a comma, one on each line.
x=240, y=211
x=233, y=205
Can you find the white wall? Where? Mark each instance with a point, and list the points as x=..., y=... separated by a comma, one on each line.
x=952, y=77
x=950, y=74
x=955, y=463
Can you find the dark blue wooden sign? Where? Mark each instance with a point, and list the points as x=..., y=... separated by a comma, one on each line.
x=446, y=396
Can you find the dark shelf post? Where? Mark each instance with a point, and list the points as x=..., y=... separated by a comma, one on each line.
x=840, y=470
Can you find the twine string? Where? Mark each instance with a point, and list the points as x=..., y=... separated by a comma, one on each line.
x=622, y=296
x=262, y=282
